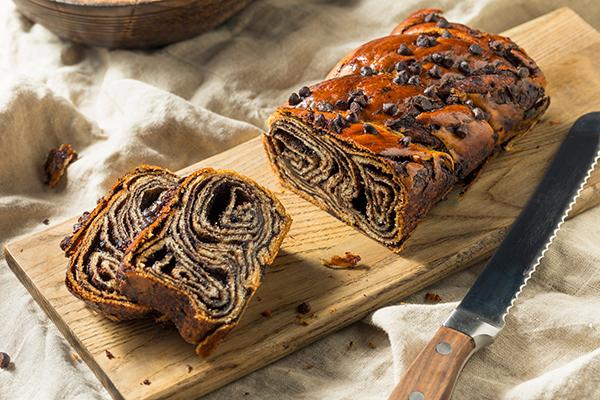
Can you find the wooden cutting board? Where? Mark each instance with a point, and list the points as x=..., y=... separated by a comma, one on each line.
x=456, y=233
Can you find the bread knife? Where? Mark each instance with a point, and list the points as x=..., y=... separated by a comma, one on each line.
x=481, y=315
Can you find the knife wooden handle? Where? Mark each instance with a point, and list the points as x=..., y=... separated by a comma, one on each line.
x=432, y=375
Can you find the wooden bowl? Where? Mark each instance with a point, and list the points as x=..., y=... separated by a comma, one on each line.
x=129, y=23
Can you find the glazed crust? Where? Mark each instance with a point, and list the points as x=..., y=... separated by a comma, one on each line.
x=101, y=237
x=400, y=120
x=204, y=257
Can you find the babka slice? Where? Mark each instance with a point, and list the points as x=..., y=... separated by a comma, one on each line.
x=403, y=118
x=204, y=257
x=101, y=237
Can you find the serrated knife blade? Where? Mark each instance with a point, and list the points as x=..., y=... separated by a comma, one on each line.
x=481, y=314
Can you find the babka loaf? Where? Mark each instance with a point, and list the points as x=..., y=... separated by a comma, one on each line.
x=402, y=119
x=101, y=237
x=203, y=258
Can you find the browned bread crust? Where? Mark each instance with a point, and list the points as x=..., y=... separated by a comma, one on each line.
x=101, y=237
x=401, y=119
x=204, y=257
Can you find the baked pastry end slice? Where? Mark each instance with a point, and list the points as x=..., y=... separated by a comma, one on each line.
x=204, y=257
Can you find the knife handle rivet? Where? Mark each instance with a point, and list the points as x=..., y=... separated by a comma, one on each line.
x=416, y=396
x=443, y=348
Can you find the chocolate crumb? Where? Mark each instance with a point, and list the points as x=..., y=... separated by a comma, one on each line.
x=303, y=308
x=146, y=382
x=4, y=360
x=189, y=368
x=56, y=164
x=371, y=345
x=370, y=129
x=246, y=393
x=267, y=313
x=350, y=344
x=404, y=50
x=109, y=355
x=294, y=99
x=432, y=297
x=304, y=91
x=348, y=260
x=46, y=221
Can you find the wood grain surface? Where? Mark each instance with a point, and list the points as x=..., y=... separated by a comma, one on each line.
x=456, y=233
x=129, y=23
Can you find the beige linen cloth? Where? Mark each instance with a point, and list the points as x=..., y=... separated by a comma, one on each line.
x=177, y=105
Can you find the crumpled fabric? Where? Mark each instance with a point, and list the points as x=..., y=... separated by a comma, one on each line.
x=182, y=103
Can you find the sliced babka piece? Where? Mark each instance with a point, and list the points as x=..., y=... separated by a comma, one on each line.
x=204, y=257
x=101, y=237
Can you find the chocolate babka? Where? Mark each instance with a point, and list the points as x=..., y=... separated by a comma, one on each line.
x=402, y=119
x=203, y=258
x=101, y=237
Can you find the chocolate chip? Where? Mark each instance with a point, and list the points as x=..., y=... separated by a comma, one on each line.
x=370, y=129
x=352, y=118
x=425, y=41
x=523, y=72
x=294, y=99
x=437, y=58
x=446, y=34
x=4, y=360
x=146, y=382
x=338, y=123
x=476, y=49
x=390, y=109
x=447, y=63
x=404, y=50
x=497, y=46
x=415, y=68
x=303, y=308
x=464, y=67
x=324, y=106
x=442, y=23
x=341, y=105
x=320, y=121
x=355, y=107
x=460, y=131
x=414, y=80
x=304, y=91
x=402, y=78
x=366, y=71
x=430, y=90
x=423, y=103
x=400, y=65
x=431, y=17
x=361, y=99
x=405, y=141
x=435, y=72
x=479, y=113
